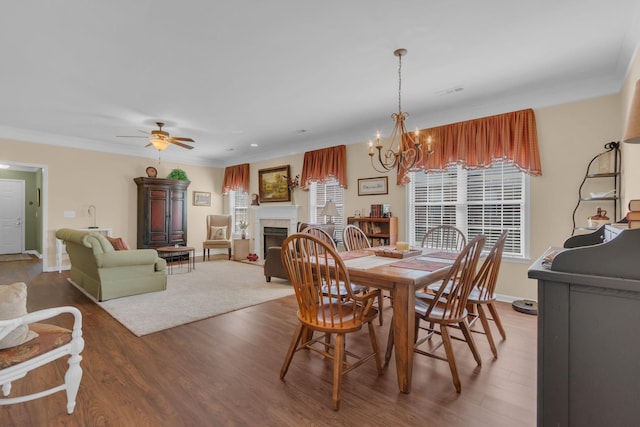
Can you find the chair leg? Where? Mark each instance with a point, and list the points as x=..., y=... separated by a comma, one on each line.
x=496, y=319
x=464, y=326
x=72, y=379
x=375, y=346
x=446, y=340
x=387, y=354
x=487, y=330
x=380, y=298
x=338, y=357
x=295, y=340
x=229, y=253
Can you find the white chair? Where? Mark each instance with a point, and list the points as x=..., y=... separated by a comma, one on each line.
x=218, y=234
x=52, y=343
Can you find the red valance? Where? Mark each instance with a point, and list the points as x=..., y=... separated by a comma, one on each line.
x=477, y=143
x=236, y=178
x=323, y=165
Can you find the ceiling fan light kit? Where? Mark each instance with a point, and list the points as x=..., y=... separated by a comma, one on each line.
x=160, y=139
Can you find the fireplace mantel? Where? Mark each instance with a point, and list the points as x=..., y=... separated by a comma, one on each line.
x=287, y=214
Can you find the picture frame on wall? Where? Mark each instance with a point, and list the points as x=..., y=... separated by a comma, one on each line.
x=373, y=186
x=201, y=198
x=273, y=185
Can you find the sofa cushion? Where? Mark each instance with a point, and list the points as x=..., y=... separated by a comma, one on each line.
x=118, y=243
x=13, y=304
x=218, y=233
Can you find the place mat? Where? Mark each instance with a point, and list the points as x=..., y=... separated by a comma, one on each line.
x=420, y=264
x=443, y=255
x=367, y=262
x=352, y=255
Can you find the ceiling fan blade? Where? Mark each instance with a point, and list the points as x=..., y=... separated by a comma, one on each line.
x=180, y=144
x=148, y=145
x=131, y=136
x=182, y=139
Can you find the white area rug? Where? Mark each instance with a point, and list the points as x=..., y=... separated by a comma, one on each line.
x=213, y=288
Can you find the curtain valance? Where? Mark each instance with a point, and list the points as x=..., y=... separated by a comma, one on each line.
x=324, y=164
x=477, y=143
x=236, y=178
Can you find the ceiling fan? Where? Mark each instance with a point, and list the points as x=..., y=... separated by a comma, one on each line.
x=160, y=139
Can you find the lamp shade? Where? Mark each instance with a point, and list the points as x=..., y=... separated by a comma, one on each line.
x=632, y=133
x=159, y=143
x=329, y=209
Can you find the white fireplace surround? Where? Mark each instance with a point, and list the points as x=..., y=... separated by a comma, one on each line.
x=272, y=216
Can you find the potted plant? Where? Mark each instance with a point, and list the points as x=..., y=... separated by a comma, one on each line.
x=243, y=226
x=178, y=174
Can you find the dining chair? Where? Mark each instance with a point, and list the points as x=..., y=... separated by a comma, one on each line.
x=354, y=239
x=310, y=264
x=483, y=293
x=444, y=237
x=446, y=309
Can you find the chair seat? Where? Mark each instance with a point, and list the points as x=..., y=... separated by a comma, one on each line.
x=49, y=337
x=475, y=297
x=340, y=317
x=356, y=289
x=424, y=301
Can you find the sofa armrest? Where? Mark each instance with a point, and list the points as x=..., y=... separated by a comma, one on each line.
x=127, y=258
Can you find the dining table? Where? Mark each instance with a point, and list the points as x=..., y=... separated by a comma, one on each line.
x=386, y=269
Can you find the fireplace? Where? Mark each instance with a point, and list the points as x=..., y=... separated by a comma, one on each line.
x=273, y=236
x=277, y=216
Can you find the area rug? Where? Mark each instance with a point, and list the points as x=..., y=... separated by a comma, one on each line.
x=213, y=288
x=16, y=257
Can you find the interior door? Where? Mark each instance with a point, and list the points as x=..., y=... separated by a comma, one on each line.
x=12, y=196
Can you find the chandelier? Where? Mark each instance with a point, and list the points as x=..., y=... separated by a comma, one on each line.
x=408, y=151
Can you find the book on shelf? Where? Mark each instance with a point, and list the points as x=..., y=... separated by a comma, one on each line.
x=633, y=216
x=634, y=205
x=633, y=224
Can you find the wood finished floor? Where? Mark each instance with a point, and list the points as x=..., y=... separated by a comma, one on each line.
x=224, y=371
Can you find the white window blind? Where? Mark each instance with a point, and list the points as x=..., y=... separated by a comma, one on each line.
x=319, y=194
x=483, y=201
x=239, y=208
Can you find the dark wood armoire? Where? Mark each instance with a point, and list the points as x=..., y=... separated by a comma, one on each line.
x=162, y=212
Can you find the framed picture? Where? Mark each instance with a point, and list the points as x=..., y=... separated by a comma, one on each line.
x=200, y=198
x=373, y=186
x=272, y=184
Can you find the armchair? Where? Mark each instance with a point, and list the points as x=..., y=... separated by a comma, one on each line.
x=104, y=273
x=50, y=343
x=218, y=234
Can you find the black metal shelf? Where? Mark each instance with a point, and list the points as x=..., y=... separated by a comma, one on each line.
x=617, y=182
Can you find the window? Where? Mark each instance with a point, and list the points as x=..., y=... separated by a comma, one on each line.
x=239, y=208
x=482, y=201
x=319, y=194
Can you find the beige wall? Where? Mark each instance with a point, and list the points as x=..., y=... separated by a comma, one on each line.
x=569, y=135
x=75, y=179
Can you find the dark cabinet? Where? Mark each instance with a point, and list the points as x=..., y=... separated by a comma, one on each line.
x=162, y=212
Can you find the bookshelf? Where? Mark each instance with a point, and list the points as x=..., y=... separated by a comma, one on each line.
x=380, y=231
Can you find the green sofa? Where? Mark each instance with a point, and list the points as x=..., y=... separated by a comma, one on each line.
x=106, y=273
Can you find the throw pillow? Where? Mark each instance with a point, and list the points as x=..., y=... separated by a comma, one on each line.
x=13, y=303
x=218, y=233
x=118, y=243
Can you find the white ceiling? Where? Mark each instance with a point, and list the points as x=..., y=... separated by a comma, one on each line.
x=292, y=75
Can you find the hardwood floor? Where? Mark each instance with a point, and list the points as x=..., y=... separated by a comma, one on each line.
x=224, y=371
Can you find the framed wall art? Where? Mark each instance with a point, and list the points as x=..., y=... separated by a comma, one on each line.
x=373, y=186
x=273, y=185
x=200, y=198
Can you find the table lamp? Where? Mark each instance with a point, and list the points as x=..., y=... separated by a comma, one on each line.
x=330, y=211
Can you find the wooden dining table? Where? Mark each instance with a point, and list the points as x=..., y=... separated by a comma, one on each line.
x=402, y=277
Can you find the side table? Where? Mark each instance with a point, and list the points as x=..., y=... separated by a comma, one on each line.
x=240, y=249
x=172, y=253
